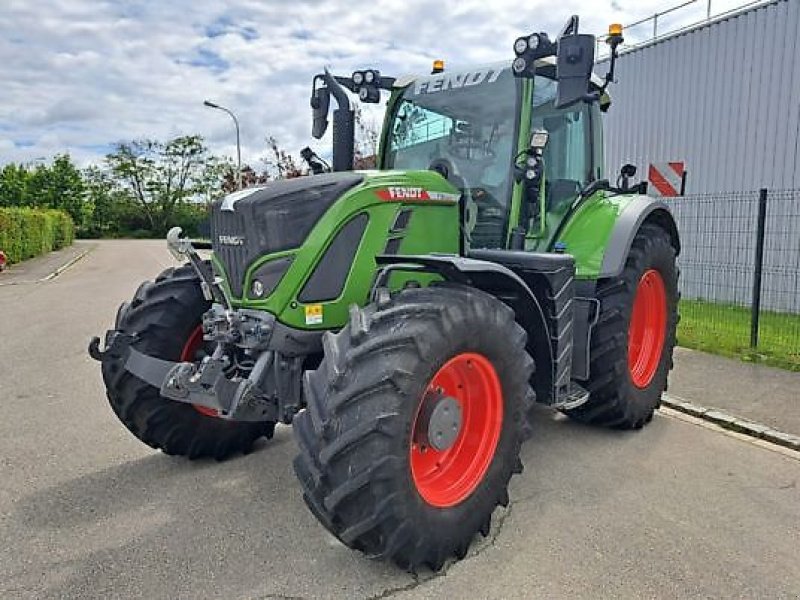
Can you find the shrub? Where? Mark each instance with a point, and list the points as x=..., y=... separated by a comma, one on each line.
x=28, y=232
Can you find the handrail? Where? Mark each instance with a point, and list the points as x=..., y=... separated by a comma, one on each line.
x=654, y=18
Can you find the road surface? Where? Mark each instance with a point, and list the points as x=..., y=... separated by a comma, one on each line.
x=87, y=511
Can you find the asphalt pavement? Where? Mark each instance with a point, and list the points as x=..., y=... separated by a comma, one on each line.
x=679, y=509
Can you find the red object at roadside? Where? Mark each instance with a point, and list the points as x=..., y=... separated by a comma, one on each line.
x=3, y=260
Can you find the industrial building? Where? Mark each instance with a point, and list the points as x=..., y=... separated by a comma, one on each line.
x=722, y=97
x=721, y=100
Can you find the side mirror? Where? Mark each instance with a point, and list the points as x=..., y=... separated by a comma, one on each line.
x=320, y=103
x=624, y=181
x=574, y=63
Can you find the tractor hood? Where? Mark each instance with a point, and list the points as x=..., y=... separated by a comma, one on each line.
x=269, y=218
x=310, y=243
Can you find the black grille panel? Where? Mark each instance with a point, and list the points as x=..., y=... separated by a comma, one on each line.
x=274, y=217
x=233, y=258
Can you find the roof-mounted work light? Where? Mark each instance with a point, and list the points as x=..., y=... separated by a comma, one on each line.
x=529, y=49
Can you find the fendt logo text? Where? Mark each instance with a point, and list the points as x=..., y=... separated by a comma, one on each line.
x=231, y=240
x=414, y=194
x=454, y=81
x=407, y=193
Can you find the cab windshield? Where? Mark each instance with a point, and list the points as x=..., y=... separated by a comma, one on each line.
x=469, y=121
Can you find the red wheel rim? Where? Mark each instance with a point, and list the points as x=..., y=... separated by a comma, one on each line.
x=189, y=354
x=448, y=477
x=648, y=328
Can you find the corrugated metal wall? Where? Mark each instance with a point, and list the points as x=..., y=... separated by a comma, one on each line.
x=724, y=98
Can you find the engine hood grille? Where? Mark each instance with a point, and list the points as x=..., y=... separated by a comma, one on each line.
x=270, y=218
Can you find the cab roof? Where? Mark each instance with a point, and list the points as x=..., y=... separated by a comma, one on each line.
x=544, y=64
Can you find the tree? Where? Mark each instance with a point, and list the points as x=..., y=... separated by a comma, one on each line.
x=58, y=185
x=13, y=185
x=64, y=188
x=104, y=204
x=218, y=178
x=250, y=177
x=160, y=177
x=366, y=142
x=282, y=163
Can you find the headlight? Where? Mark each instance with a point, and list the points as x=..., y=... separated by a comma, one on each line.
x=533, y=41
x=519, y=65
x=358, y=77
x=369, y=76
x=267, y=277
x=520, y=46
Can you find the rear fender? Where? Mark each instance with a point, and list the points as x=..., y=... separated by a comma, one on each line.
x=642, y=209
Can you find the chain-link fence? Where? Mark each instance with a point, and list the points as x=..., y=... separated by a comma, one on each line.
x=740, y=273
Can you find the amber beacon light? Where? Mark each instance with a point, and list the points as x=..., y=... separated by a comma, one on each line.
x=614, y=38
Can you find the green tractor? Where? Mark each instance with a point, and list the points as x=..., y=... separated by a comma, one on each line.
x=405, y=320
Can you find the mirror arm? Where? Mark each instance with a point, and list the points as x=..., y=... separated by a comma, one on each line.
x=387, y=83
x=346, y=82
x=614, y=42
x=343, y=125
x=570, y=28
x=333, y=84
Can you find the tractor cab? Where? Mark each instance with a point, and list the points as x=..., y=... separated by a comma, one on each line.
x=520, y=140
x=474, y=127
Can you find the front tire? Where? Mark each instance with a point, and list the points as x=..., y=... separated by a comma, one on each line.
x=166, y=315
x=633, y=341
x=370, y=469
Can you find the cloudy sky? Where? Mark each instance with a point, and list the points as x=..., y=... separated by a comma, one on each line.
x=79, y=75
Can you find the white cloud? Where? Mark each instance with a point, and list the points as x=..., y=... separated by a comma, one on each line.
x=79, y=75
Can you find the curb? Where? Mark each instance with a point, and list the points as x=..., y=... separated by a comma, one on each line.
x=66, y=266
x=55, y=273
x=723, y=419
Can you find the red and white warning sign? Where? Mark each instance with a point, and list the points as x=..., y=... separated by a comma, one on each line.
x=667, y=179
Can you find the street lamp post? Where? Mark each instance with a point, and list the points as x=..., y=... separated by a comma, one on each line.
x=210, y=104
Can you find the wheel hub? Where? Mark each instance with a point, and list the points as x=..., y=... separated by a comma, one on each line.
x=440, y=421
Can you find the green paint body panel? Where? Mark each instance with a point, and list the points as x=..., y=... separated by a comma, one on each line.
x=433, y=227
x=588, y=230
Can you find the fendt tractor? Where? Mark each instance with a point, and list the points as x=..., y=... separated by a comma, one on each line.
x=405, y=320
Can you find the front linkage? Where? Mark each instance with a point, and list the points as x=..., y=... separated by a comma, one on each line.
x=249, y=376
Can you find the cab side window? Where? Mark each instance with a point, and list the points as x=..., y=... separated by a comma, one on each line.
x=567, y=157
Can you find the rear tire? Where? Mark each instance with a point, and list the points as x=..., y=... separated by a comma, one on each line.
x=359, y=462
x=165, y=314
x=631, y=350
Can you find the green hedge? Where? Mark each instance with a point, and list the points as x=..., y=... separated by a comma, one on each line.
x=28, y=232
